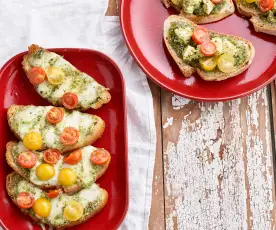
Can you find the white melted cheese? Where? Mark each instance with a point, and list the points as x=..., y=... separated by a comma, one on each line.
x=85, y=196
x=228, y=47
x=86, y=88
x=50, y=137
x=25, y=119
x=33, y=118
x=73, y=120
x=208, y=6
x=65, y=87
x=87, y=165
x=184, y=34
x=218, y=42
x=24, y=186
x=20, y=147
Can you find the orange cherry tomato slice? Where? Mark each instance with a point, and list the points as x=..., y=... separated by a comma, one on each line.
x=200, y=35
x=266, y=5
x=25, y=200
x=70, y=100
x=54, y=193
x=27, y=159
x=99, y=156
x=69, y=136
x=73, y=158
x=51, y=156
x=36, y=75
x=216, y=2
x=55, y=115
x=208, y=48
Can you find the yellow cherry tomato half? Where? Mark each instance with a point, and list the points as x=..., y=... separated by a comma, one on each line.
x=73, y=211
x=55, y=75
x=45, y=172
x=226, y=63
x=32, y=141
x=67, y=177
x=42, y=207
x=208, y=63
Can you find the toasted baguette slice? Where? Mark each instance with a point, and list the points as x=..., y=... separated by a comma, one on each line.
x=87, y=173
x=94, y=196
x=90, y=93
x=188, y=70
x=255, y=15
x=24, y=119
x=225, y=11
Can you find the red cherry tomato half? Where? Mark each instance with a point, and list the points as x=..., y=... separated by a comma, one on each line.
x=216, y=1
x=27, y=159
x=200, y=35
x=73, y=158
x=55, y=115
x=36, y=75
x=25, y=200
x=208, y=48
x=51, y=156
x=70, y=100
x=266, y=5
x=69, y=136
x=54, y=193
x=99, y=156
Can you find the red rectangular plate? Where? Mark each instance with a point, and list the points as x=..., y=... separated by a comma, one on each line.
x=15, y=88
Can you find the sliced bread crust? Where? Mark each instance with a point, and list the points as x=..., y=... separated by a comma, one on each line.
x=13, y=179
x=97, y=133
x=188, y=70
x=70, y=189
x=225, y=12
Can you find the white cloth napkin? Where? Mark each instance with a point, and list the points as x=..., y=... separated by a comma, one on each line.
x=81, y=24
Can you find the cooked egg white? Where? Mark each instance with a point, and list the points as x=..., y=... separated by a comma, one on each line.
x=87, y=197
x=86, y=171
x=33, y=118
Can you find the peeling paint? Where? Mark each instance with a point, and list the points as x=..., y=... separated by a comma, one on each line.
x=218, y=175
x=179, y=102
x=168, y=123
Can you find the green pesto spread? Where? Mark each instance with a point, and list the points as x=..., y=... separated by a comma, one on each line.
x=269, y=16
x=199, y=7
x=180, y=47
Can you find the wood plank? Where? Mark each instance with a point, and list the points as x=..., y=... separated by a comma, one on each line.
x=218, y=164
x=157, y=216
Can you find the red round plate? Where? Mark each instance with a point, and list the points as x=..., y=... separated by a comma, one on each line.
x=15, y=88
x=142, y=25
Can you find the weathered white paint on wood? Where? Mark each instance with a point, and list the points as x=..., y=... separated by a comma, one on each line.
x=218, y=171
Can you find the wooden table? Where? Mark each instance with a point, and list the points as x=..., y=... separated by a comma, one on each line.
x=214, y=162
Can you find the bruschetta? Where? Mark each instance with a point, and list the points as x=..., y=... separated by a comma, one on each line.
x=214, y=56
x=49, y=127
x=58, y=212
x=50, y=170
x=61, y=83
